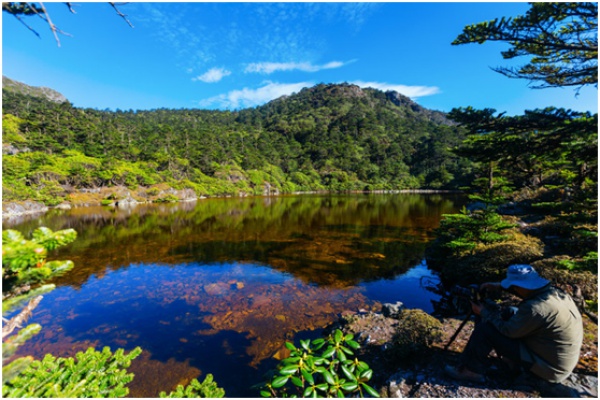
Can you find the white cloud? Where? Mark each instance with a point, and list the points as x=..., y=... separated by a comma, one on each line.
x=410, y=91
x=253, y=97
x=213, y=75
x=270, y=67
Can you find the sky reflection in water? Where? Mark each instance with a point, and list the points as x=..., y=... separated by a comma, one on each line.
x=219, y=287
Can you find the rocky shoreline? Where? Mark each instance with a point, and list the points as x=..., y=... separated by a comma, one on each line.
x=420, y=374
x=121, y=196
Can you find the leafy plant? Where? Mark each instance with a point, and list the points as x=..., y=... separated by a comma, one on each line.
x=24, y=264
x=207, y=389
x=321, y=368
x=20, y=255
x=89, y=374
x=463, y=231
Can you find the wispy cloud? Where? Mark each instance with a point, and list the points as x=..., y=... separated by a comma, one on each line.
x=270, y=67
x=213, y=75
x=410, y=91
x=252, y=97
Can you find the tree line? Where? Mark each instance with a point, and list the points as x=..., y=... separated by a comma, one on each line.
x=329, y=137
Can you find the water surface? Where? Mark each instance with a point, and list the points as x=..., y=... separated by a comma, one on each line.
x=219, y=285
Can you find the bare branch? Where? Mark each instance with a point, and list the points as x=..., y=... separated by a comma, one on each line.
x=119, y=13
x=70, y=7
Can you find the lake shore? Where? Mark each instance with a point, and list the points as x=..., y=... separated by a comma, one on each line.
x=121, y=196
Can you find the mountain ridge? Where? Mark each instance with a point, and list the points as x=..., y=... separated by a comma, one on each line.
x=35, y=91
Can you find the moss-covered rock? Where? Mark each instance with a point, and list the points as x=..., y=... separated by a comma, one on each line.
x=415, y=332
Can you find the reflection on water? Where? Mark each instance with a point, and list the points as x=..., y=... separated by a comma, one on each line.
x=219, y=285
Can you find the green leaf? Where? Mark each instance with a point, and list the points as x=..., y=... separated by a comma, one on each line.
x=297, y=381
x=308, y=391
x=290, y=346
x=370, y=390
x=263, y=393
x=288, y=369
x=307, y=376
x=353, y=344
x=305, y=344
x=322, y=386
x=367, y=374
x=279, y=381
x=348, y=373
x=338, y=336
x=329, y=352
x=362, y=365
x=328, y=377
x=350, y=386
x=340, y=355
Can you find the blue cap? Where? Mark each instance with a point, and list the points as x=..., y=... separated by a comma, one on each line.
x=524, y=276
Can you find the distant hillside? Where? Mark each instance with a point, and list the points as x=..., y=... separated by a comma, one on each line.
x=327, y=137
x=43, y=92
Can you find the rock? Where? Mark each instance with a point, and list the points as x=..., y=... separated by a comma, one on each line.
x=26, y=207
x=390, y=310
x=64, y=206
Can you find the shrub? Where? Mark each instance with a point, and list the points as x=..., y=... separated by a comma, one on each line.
x=89, y=374
x=321, y=367
x=207, y=389
x=416, y=331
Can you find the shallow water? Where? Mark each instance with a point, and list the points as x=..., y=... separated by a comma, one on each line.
x=219, y=285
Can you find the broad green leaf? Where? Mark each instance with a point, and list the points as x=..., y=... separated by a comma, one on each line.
x=279, y=381
x=370, y=390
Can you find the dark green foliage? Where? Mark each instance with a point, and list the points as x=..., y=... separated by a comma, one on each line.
x=89, y=374
x=207, y=389
x=321, y=368
x=462, y=232
x=560, y=38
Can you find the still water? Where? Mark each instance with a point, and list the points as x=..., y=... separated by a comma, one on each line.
x=217, y=286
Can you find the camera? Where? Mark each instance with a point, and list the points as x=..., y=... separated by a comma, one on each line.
x=470, y=293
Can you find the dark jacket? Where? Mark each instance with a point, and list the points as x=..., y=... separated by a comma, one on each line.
x=550, y=330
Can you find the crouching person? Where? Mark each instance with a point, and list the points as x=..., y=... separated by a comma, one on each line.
x=544, y=336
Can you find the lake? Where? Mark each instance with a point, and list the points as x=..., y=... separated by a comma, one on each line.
x=218, y=285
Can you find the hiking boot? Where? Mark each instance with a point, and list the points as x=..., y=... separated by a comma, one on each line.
x=462, y=373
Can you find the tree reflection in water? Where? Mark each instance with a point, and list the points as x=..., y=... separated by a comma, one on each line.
x=219, y=285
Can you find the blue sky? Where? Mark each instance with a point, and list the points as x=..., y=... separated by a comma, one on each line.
x=237, y=55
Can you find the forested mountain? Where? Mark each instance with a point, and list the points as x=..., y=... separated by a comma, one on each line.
x=335, y=137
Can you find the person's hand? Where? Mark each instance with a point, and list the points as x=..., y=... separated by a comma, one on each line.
x=490, y=286
x=476, y=307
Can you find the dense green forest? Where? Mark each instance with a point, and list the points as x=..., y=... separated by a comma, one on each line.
x=328, y=137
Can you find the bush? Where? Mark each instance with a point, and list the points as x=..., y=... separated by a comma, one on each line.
x=89, y=374
x=416, y=331
x=207, y=389
x=321, y=367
